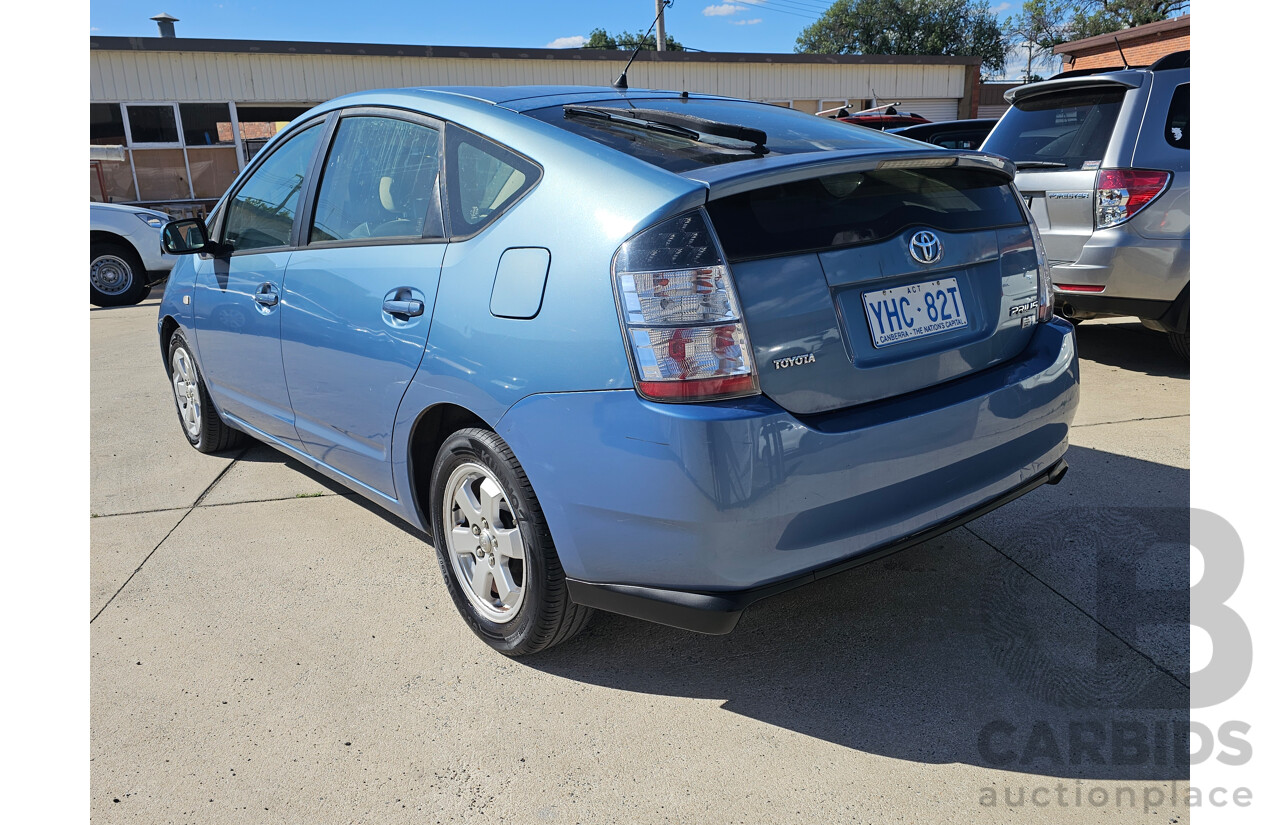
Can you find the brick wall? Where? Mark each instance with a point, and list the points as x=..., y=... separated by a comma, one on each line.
x=1141, y=52
x=1143, y=45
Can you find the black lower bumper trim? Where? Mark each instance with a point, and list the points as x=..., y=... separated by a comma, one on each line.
x=718, y=612
x=1082, y=303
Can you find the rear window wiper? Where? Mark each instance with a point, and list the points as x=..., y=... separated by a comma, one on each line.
x=686, y=126
x=1039, y=164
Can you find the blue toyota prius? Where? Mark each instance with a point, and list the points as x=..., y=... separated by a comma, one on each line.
x=655, y=353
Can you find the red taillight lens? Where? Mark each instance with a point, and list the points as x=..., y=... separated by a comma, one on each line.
x=681, y=316
x=1122, y=193
x=1079, y=287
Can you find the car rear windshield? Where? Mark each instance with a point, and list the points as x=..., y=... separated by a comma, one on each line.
x=1069, y=127
x=789, y=132
x=860, y=207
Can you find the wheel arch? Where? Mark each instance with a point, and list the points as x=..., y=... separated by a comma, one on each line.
x=167, y=328
x=432, y=426
x=97, y=236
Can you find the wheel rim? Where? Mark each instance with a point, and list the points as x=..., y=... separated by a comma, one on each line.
x=186, y=391
x=110, y=275
x=484, y=543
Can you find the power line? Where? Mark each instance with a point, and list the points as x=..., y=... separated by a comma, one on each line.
x=787, y=6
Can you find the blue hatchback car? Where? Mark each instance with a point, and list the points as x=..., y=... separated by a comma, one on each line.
x=649, y=352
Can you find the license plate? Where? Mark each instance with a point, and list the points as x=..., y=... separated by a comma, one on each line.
x=906, y=313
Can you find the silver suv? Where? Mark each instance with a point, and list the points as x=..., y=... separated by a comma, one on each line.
x=1104, y=164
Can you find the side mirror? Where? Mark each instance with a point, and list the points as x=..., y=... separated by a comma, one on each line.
x=185, y=237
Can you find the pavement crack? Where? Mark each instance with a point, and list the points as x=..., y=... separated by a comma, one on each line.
x=1086, y=613
x=139, y=512
x=1130, y=420
x=190, y=509
x=294, y=497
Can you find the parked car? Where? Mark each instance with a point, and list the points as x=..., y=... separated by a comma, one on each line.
x=1104, y=161
x=125, y=258
x=649, y=352
x=949, y=134
x=884, y=118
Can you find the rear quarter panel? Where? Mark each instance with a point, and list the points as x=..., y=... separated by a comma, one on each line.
x=589, y=200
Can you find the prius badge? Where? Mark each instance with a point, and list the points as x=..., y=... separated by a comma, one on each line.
x=926, y=247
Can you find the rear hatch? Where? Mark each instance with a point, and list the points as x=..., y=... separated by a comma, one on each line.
x=1059, y=135
x=863, y=285
x=866, y=265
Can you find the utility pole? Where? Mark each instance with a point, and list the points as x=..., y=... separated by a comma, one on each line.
x=662, y=27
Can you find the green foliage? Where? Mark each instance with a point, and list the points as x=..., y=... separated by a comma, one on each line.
x=627, y=41
x=943, y=27
x=1093, y=17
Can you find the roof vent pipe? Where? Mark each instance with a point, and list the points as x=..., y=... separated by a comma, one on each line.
x=165, y=23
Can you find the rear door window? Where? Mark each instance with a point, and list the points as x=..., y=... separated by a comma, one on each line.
x=379, y=182
x=484, y=180
x=1177, y=126
x=1066, y=129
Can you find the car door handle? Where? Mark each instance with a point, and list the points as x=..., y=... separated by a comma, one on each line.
x=410, y=308
x=267, y=295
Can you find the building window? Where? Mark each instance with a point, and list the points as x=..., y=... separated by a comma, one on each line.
x=106, y=125
x=178, y=151
x=211, y=147
x=152, y=124
x=1177, y=126
x=206, y=124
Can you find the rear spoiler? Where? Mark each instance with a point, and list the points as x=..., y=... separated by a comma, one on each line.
x=732, y=178
x=1060, y=83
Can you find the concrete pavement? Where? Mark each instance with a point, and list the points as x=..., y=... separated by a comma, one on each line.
x=268, y=648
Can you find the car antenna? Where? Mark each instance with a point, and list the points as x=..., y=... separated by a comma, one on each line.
x=1123, y=59
x=621, y=82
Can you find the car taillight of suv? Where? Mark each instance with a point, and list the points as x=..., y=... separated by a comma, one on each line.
x=1122, y=193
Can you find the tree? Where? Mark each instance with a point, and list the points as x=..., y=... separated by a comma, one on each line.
x=951, y=27
x=1094, y=17
x=1041, y=25
x=601, y=39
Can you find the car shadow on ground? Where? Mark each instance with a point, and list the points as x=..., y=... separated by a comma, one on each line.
x=954, y=651
x=258, y=453
x=1130, y=346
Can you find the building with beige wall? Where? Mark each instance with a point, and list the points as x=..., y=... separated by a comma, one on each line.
x=191, y=112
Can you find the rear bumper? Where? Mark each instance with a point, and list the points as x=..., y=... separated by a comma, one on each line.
x=730, y=499
x=717, y=613
x=1128, y=265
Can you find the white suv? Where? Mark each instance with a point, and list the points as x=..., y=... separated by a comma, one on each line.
x=125, y=258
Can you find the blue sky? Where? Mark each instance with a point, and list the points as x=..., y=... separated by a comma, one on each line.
x=710, y=25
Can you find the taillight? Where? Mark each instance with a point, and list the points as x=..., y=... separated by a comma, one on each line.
x=680, y=314
x=1044, y=286
x=1122, y=193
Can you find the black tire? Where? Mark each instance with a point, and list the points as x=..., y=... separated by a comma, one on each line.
x=210, y=434
x=116, y=275
x=545, y=615
x=1181, y=341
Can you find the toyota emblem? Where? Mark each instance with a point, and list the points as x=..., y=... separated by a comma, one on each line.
x=926, y=247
